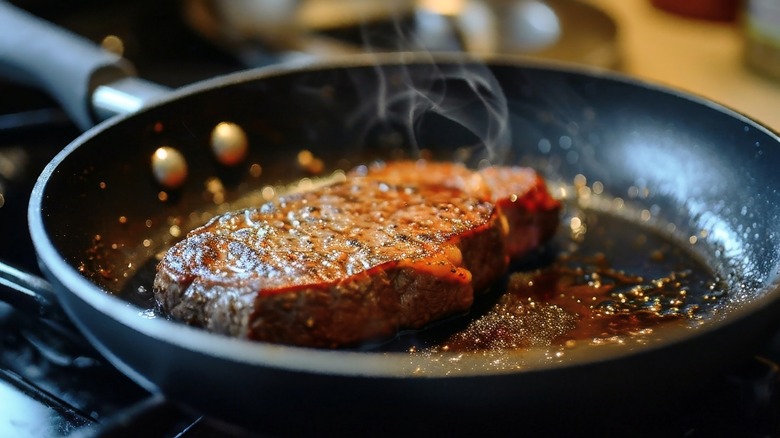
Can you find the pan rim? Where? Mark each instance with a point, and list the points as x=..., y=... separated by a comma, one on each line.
x=338, y=362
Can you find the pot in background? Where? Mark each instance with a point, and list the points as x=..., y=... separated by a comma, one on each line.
x=762, y=36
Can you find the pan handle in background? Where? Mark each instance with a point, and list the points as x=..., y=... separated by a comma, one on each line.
x=90, y=83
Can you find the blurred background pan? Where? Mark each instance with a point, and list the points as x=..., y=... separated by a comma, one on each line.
x=564, y=30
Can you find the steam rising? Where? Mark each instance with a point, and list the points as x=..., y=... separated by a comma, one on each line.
x=456, y=99
x=465, y=96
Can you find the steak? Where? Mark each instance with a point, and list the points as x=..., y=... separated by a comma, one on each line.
x=394, y=246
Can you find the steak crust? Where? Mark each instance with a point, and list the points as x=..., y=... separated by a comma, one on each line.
x=355, y=261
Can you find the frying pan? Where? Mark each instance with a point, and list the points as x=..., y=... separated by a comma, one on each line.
x=98, y=217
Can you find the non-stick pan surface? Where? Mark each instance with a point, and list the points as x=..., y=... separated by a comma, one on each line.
x=98, y=218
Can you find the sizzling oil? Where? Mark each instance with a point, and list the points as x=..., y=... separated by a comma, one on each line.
x=617, y=282
x=562, y=304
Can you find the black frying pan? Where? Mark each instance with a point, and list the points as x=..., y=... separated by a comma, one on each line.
x=97, y=219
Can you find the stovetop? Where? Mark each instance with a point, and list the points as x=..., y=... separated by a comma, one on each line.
x=53, y=384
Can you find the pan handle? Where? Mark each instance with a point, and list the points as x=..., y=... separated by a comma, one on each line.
x=90, y=83
x=29, y=294
x=34, y=297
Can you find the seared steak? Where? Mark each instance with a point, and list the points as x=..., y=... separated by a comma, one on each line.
x=394, y=246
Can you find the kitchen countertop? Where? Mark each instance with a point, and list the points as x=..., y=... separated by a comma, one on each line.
x=698, y=56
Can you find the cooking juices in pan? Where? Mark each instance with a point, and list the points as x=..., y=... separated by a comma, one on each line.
x=611, y=276
x=604, y=280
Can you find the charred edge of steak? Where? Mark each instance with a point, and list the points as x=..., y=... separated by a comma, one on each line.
x=532, y=219
x=373, y=306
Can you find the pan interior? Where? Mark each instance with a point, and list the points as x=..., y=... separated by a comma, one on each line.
x=632, y=279
x=656, y=172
